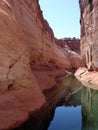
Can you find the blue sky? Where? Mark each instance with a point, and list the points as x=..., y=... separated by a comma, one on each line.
x=63, y=16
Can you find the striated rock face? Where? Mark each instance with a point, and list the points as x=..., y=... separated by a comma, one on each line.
x=30, y=60
x=25, y=37
x=89, y=32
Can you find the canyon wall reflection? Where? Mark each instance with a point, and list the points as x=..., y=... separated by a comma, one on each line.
x=89, y=101
x=68, y=92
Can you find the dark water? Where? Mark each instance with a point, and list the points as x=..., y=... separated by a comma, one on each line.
x=69, y=106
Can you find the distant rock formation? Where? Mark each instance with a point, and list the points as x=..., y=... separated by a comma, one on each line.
x=89, y=32
x=70, y=43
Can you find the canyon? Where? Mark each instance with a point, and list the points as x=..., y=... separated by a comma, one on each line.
x=89, y=31
x=32, y=59
x=89, y=43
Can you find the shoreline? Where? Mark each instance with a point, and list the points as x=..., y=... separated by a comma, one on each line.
x=87, y=78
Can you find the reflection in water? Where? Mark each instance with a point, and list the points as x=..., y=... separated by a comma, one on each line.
x=88, y=98
x=66, y=118
x=89, y=101
x=68, y=93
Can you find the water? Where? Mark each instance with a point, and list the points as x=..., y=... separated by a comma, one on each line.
x=69, y=106
x=67, y=118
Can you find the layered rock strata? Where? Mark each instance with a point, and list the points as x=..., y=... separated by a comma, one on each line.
x=89, y=32
x=89, y=43
x=30, y=60
x=25, y=37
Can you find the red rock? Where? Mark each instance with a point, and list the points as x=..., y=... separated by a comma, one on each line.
x=17, y=105
x=89, y=33
x=87, y=78
x=26, y=40
x=69, y=43
x=32, y=98
x=12, y=118
x=47, y=75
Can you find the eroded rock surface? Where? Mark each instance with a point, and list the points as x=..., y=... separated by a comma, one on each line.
x=16, y=106
x=87, y=78
x=25, y=37
x=69, y=43
x=89, y=43
x=27, y=41
x=89, y=32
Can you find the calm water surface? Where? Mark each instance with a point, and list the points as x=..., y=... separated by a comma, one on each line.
x=69, y=106
x=67, y=118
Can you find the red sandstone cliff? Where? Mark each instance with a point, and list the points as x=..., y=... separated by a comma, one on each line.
x=30, y=60
x=25, y=37
x=89, y=43
x=89, y=32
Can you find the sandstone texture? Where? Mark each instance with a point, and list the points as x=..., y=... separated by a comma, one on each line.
x=25, y=37
x=30, y=60
x=89, y=32
x=69, y=43
x=87, y=78
x=89, y=43
x=16, y=106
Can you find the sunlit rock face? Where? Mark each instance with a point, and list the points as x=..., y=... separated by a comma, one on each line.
x=30, y=60
x=89, y=32
x=25, y=38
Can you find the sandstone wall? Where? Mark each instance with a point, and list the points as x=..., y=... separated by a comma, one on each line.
x=25, y=37
x=69, y=43
x=89, y=32
x=30, y=60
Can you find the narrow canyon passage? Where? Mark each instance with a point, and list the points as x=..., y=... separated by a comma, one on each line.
x=36, y=62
